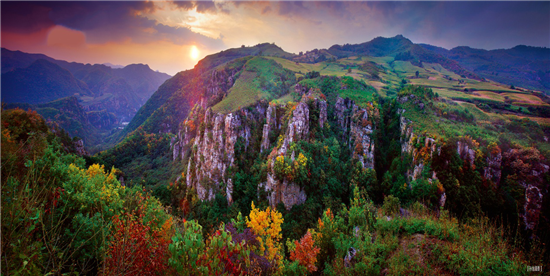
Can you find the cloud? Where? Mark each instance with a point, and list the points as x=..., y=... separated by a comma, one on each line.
x=102, y=22
x=25, y=17
x=206, y=6
x=292, y=8
x=267, y=9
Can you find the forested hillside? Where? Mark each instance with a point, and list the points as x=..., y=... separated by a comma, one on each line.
x=378, y=158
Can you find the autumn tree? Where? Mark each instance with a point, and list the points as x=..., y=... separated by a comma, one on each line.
x=267, y=226
x=306, y=252
x=136, y=247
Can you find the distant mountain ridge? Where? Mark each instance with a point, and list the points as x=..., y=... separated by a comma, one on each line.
x=140, y=77
x=107, y=96
x=524, y=66
x=400, y=48
x=42, y=81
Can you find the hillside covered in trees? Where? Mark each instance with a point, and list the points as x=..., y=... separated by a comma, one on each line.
x=379, y=158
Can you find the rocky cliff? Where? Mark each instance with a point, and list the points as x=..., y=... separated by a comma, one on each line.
x=527, y=169
x=524, y=166
x=212, y=148
x=207, y=142
x=283, y=190
x=420, y=148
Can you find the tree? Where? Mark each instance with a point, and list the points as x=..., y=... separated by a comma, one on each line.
x=267, y=225
x=306, y=252
x=136, y=248
x=417, y=73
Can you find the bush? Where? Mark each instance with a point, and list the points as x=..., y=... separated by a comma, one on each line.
x=391, y=205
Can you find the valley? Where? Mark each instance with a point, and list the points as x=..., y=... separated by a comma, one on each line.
x=380, y=158
x=109, y=97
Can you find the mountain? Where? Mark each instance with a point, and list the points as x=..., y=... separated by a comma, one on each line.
x=114, y=66
x=142, y=79
x=385, y=157
x=178, y=94
x=16, y=59
x=42, y=81
x=522, y=65
x=139, y=77
x=239, y=109
x=103, y=92
x=400, y=48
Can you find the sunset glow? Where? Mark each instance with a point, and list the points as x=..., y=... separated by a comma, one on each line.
x=194, y=53
x=194, y=29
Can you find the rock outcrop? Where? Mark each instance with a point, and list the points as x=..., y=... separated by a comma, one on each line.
x=342, y=111
x=207, y=142
x=493, y=170
x=280, y=190
x=212, y=150
x=322, y=104
x=466, y=151
x=409, y=142
x=270, y=125
x=526, y=165
x=219, y=84
x=360, y=132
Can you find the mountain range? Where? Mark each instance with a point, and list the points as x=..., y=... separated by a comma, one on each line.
x=119, y=92
x=385, y=157
x=36, y=78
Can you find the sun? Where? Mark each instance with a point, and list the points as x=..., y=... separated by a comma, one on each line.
x=194, y=53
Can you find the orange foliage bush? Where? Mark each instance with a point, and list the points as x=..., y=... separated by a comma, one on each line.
x=306, y=252
x=135, y=248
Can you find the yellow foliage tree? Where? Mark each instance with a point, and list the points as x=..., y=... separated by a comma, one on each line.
x=267, y=226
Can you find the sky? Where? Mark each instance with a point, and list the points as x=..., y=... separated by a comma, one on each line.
x=172, y=36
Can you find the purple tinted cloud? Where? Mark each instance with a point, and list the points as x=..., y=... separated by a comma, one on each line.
x=25, y=17
x=101, y=21
x=202, y=6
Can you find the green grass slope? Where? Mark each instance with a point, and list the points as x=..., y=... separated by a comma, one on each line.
x=261, y=79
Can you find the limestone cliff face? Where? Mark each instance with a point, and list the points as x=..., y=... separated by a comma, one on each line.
x=523, y=163
x=427, y=149
x=493, y=170
x=409, y=141
x=271, y=124
x=280, y=190
x=207, y=142
x=527, y=167
x=360, y=135
x=466, y=152
x=219, y=84
x=357, y=128
x=342, y=111
x=212, y=149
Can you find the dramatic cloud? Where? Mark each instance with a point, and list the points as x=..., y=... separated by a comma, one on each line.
x=103, y=21
x=203, y=6
x=61, y=27
x=76, y=28
x=25, y=17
